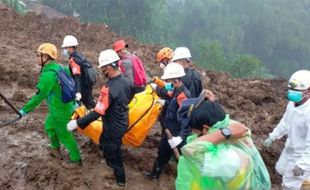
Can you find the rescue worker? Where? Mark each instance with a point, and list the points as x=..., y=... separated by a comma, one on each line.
x=204, y=165
x=59, y=113
x=83, y=77
x=112, y=106
x=172, y=75
x=164, y=56
x=294, y=162
x=131, y=66
x=192, y=79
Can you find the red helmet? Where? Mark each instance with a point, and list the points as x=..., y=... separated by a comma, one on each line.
x=119, y=44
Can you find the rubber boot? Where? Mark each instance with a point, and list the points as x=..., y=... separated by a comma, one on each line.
x=154, y=175
x=72, y=164
x=120, y=178
x=55, y=152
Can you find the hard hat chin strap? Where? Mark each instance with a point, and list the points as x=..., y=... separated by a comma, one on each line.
x=43, y=62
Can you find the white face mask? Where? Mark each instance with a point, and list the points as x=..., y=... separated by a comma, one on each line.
x=66, y=53
x=162, y=66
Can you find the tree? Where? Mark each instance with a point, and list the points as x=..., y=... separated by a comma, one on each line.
x=247, y=66
x=18, y=5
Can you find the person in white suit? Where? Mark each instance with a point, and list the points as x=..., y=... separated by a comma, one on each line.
x=294, y=162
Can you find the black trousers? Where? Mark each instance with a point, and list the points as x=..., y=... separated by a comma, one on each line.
x=113, y=156
x=87, y=97
x=165, y=152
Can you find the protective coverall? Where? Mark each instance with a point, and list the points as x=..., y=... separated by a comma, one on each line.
x=296, y=125
x=59, y=113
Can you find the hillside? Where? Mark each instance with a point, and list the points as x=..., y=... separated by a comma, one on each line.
x=25, y=161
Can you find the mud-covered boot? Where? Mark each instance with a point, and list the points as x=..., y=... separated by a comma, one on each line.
x=154, y=175
x=55, y=152
x=72, y=164
x=120, y=178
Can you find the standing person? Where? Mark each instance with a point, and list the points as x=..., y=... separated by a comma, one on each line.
x=172, y=75
x=163, y=58
x=192, y=79
x=82, y=71
x=131, y=66
x=294, y=162
x=112, y=106
x=59, y=113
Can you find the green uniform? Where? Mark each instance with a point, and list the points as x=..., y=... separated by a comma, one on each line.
x=59, y=113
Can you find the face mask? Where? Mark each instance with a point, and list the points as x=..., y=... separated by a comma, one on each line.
x=162, y=66
x=294, y=96
x=169, y=86
x=66, y=53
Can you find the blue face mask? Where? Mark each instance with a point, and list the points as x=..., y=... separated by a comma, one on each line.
x=66, y=53
x=294, y=96
x=169, y=86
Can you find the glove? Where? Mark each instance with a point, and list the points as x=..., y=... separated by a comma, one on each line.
x=160, y=101
x=22, y=112
x=267, y=143
x=72, y=125
x=159, y=82
x=78, y=96
x=174, y=141
x=153, y=85
x=298, y=171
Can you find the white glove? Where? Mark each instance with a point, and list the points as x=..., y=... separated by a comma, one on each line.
x=153, y=85
x=72, y=125
x=160, y=101
x=78, y=96
x=267, y=143
x=174, y=142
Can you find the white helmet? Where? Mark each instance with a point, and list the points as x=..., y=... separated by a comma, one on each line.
x=107, y=57
x=181, y=53
x=69, y=41
x=300, y=80
x=172, y=71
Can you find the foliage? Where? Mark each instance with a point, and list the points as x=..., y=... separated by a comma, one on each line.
x=220, y=33
x=18, y=5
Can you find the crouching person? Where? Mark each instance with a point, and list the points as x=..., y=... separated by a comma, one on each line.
x=112, y=106
x=221, y=155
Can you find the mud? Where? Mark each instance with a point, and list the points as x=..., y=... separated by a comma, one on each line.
x=25, y=159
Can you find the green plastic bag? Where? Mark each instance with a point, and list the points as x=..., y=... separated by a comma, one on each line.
x=233, y=165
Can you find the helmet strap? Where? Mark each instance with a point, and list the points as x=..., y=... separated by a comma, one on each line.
x=43, y=62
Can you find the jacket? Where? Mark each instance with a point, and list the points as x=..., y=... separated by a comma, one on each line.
x=192, y=81
x=112, y=106
x=48, y=89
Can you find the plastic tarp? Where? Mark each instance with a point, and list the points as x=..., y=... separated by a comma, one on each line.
x=143, y=113
x=232, y=165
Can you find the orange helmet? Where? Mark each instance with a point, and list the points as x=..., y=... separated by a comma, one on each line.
x=49, y=49
x=165, y=52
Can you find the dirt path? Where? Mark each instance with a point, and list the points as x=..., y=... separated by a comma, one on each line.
x=25, y=159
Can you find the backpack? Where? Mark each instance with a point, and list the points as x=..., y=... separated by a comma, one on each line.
x=186, y=108
x=90, y=74
x=67, y=85
x=139, y=75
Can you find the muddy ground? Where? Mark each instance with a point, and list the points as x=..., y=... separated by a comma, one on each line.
x=25, y=161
